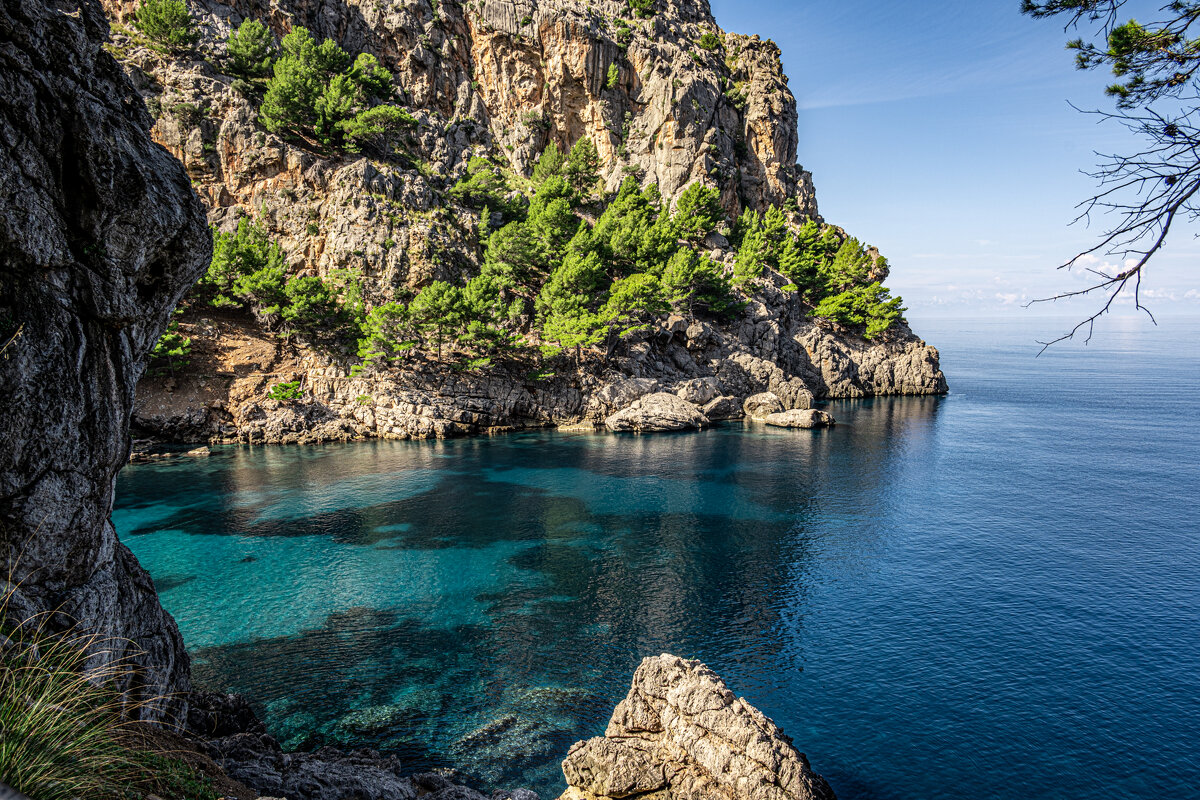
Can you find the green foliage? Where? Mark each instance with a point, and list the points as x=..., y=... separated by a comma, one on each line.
x=633, y=234
x=312, y=306
x=1152, y=61
x=250, y=50
x=564, y=305
x=247, y=271
x=642, y=8
x=709, y=41
x=263, y=291
x=237, y=255
x=317, y=92
x=852, y=266
x=549, y=163
x=376, y=128
x=582, y=169
x=633, y=304
x=283, y=392
x=61, y=733
x=515, y=257
x=806, y=261
x=486, y=187
x=437, y=311
x=172, y=348
x=692, y=282
x=167, y=23
x=614, y=76
x=698, y=212
x=389, y=335
x=870, y=307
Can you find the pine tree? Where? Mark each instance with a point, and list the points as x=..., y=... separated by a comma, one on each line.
x=388, y=335
x=250, y=50
x=582, y=169
x=437, y=311
x=549, y=164
x=166, y=22
x=698, y=212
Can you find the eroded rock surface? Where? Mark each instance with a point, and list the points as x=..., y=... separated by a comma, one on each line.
x=680, y=734
x=100, y=235
x=656, y=413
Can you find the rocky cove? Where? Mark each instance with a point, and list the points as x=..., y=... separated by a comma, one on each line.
x=104, y=232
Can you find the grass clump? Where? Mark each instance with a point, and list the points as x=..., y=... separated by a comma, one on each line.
x=63, y=730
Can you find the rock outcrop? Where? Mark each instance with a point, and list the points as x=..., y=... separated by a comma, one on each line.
x=100, y=236
x=762, y=405
x=800, y=418
x=656, y=413
x=680, y=734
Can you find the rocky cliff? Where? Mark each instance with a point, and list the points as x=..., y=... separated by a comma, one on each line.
x=100, y=236
x=668, y=98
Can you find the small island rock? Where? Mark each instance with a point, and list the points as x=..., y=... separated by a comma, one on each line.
x=681, y=733
x=657, y=412
x=800, y=418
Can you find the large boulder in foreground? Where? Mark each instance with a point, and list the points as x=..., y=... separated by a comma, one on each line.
x=800, y=418
x=100, y=235
x=680, y=733
x=656, y=413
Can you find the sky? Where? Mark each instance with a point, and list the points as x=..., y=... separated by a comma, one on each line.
x=941, y=131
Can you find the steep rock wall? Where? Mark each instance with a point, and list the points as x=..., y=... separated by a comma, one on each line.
x=100, y=235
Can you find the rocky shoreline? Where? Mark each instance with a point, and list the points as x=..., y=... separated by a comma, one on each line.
x=680, y=734
x=714, y=375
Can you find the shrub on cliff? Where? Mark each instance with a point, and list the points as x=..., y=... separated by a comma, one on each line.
x=851, y=267
x=389, y=335
x=167, y=23
x=642, y=8
x=250, y=50
x=633, y=233
x=485, y=186
x=173, y=350
x=317, y=92
x=614, y=76
x=549, y=163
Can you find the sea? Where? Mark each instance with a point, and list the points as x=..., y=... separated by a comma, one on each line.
x=991, y=594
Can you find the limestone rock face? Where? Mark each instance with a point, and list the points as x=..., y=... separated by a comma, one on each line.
x=100, y=235
x=498, y=79
x=681, y=734
x=657, y=412
x=800, y=418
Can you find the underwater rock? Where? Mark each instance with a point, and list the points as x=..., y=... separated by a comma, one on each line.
x=680, y=733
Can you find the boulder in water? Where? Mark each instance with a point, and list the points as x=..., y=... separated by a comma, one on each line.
x=680, y=733
x=656, y=413
x=800, y=418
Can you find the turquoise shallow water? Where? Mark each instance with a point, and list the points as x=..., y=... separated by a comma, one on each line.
x=993, y=594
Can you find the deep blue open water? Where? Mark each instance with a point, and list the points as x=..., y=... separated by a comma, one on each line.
x=992, y=594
